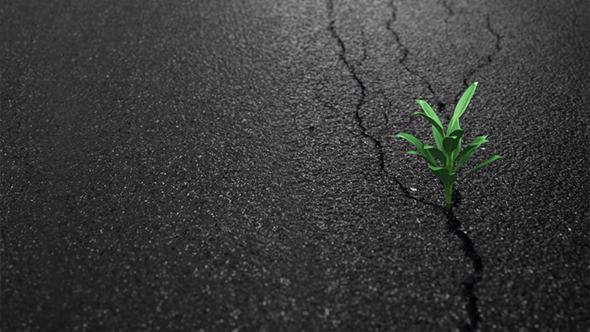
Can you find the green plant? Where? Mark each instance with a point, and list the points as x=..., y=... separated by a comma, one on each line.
x=447, y=146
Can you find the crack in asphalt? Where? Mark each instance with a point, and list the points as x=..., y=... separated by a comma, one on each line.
x=489, y=57
x=363, y=94
x=385, y=175
x=469, y=283
x=405, y=52
x=448, y=8
x=450, y=12
x=453, y=223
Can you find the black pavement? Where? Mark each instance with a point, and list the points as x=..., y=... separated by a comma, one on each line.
x=232, y=166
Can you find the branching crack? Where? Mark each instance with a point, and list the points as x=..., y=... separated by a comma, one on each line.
x=404, y=56
x=360, y=102
x=453, y=223
x=489, y=57
x=363, y=90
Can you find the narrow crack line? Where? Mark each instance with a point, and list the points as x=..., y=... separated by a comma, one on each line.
x=448, y=8
x=385, y=175
x=489, y=57
x=441, y=106
x=404, y=49
x=361, y=85
x=405, y=52
x=364, y=48
x=497, y=35
x=475, y=277
x=453, y=222
x=450, y=12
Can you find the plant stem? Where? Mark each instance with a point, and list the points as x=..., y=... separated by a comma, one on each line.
x=448, y=196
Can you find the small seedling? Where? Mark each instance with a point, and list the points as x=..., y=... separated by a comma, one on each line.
x=448, y=146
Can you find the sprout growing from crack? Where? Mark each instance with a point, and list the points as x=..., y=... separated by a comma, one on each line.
x=448, y=146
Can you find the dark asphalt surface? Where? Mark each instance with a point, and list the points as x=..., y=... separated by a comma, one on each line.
x=232, y=166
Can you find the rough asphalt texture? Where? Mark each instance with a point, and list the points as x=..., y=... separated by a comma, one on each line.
x=232, y=166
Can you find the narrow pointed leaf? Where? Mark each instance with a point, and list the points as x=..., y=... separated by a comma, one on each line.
x=418, y=144
x=478, y=166
x=438, y=154
x=450, y=143
x=470, y=150
x=454, y=125
x=436, y=126
x=454, y=132
x=457, y=132
x=418, y=154
x=461, y=106
x=429, y=111
x=456, y=146
x=428, y=156
x=444, y=175
x=447, y=143
x=438, y=138
x=455, y=153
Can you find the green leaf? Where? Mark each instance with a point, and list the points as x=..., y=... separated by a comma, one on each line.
x=428, y=156
x=470, y=150
x=453, y=125
x=461, y=107
x=437, y=153
x=444, y=175
x=458, y=148
x=447, y=143
x=438, y=138
x=418, y=144
x=478, y=166
x=429, y=111
x=455, y=146
x=457, y=132
x=437, y=127
x=418, y=154
x=451, y=142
